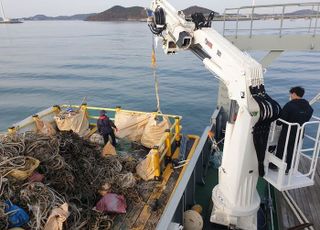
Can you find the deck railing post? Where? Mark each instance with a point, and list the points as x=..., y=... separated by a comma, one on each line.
x=237, y=23
x=177, y=129
x=295, y=156
x=224, y=22
x=251, y=26
x=282, y=18
x=118, y=109
x=316, y=152
x=316, y=23
x=56, y=109
x=156, y=162
x=310, y=24
x=84, y=107
x=168, y=143
x=12, y=130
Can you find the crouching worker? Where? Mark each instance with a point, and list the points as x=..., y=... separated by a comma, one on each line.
x=105, y=128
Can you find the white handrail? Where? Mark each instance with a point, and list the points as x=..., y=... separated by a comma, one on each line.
x=249, y=13
x=295, y=178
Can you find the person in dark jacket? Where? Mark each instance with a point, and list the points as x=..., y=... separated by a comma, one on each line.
x=297, y=110
x=105, y=128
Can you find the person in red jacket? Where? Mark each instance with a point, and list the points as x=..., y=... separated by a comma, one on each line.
x=106, y=128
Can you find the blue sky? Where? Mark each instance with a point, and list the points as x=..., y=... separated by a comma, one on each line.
x=23, y=8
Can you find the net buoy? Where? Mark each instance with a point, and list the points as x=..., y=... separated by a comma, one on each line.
x=192, y=220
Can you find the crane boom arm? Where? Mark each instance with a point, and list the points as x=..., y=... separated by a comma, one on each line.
x=235, y=198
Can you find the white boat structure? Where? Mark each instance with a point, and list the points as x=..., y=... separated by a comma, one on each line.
x=234, y=202
x=6, y=20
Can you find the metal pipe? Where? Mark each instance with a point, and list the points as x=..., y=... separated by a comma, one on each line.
x=2, y=10
x=282, y=17
x=317, y=149
x=316, y=23
x=271, y=212
x=178, y=129
x=237, y=23
x=310, y=24
x=275, y=5
x=224, y=23
x=168, y=143
x=295, y=152
x=122, y=110
x=251, y=25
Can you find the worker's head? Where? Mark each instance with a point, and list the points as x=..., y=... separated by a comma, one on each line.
x=296, y=92
x=102, y=113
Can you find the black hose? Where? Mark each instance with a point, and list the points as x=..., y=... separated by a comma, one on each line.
x=159, y=23
x=269, y=112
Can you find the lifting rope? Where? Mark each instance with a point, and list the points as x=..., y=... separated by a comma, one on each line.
x=154, y=68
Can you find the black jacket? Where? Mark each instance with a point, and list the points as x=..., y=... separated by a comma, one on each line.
x=105, y=125
x=297, y=111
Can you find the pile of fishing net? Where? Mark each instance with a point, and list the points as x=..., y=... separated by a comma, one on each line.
x=61, y=179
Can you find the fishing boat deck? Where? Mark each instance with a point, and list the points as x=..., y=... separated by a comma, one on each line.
x=307, y=199
x=146, y=214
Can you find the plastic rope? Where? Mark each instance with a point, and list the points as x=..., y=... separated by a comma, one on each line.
x=156, y=82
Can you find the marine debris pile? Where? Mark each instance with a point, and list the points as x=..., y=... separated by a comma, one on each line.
x=62, y=181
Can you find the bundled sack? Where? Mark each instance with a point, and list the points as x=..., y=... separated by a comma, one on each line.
x=148, y=168
x=57, y=217
x=154, y=131
x=96, y=138
x=36, y=177
x=17, y=216
x=131, y=125
x=44, y=127
x=108, y=150
x=77, y=121
x=112, y=203
x=26, y=171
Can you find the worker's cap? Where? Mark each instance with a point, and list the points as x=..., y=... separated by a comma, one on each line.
x=102, y=112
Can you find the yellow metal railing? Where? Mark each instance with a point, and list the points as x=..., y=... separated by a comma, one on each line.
x=171, y=135
x=119, y=108
x=163, y=148
x=13, y=129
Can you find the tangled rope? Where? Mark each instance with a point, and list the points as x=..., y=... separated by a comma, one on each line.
x=74, y=171
x=41, y=200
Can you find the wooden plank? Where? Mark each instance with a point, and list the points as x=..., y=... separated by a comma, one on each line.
x=122, y=222
x=308, y=200
x=158, y=191
x=146, y=212
x=163, y=200
x=141, y=216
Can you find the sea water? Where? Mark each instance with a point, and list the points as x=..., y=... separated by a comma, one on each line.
x=53, y=62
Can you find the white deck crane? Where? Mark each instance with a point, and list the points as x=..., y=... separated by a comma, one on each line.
x=236, y=200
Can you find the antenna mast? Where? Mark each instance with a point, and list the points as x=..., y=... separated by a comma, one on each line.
x=2, y=11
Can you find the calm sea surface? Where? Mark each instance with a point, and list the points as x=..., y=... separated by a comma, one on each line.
x=47, y=63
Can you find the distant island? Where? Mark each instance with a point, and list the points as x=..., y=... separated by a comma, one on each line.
x=120, y=13
x=115, y=13
x=138, y=13
x=41, y=17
